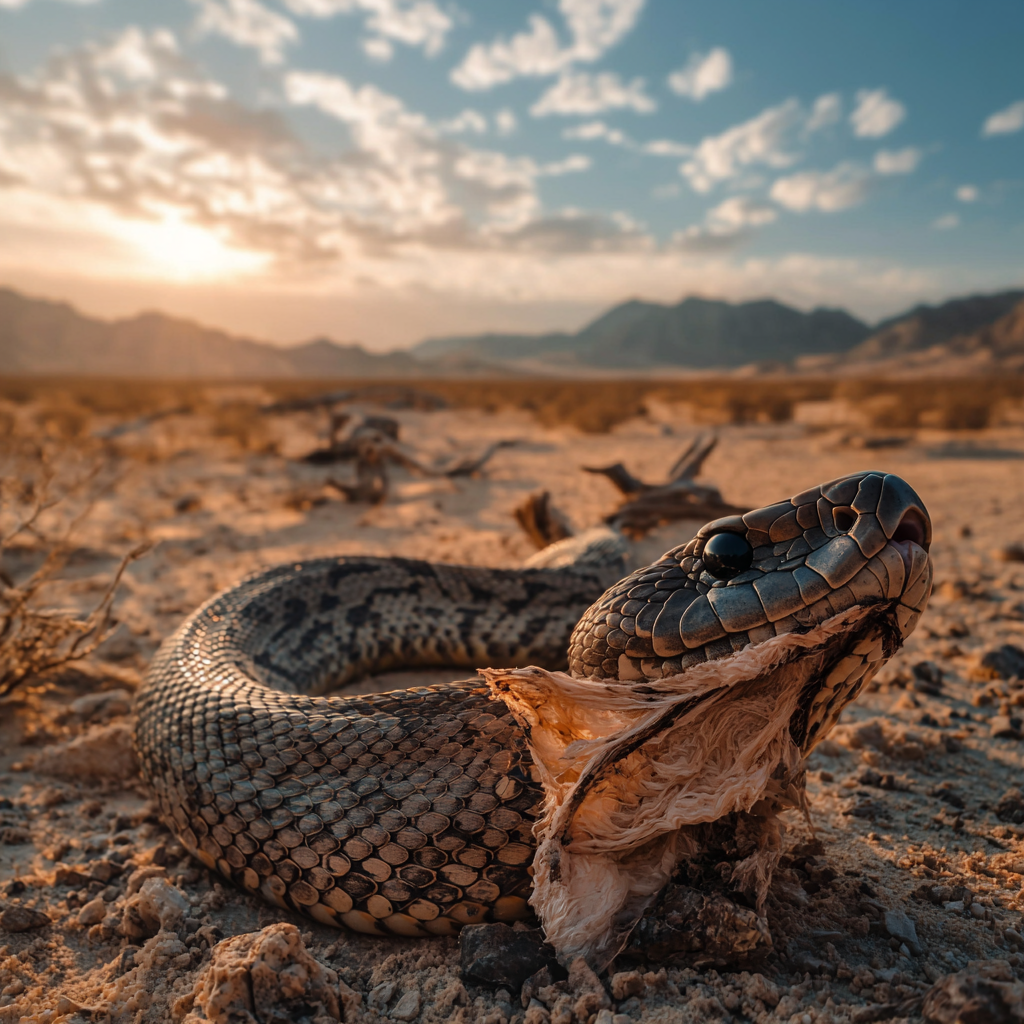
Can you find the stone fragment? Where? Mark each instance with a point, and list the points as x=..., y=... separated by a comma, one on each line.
x=1005, y=662
x=93, y=912
x=97, y=706
x=499, y=955
x=985, y=993
x=351, y=1000
x=65, y=875
x=901, y=927
x=380, y=996
x=710, y=928
x=1005, y=727
x=625, y=984
x=17, y=918
x=1011, y=807
x=140, y=875
x=407, y=1007
x=157, y=905
x=590, y=995
x=103, y=753
x=265, y=977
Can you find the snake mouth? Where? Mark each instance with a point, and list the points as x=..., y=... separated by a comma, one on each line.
x=913, y=529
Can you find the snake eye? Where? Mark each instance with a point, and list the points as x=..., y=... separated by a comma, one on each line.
x=726, y=555
x=844, y=518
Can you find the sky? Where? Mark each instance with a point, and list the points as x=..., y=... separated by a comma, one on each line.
x=388, y=170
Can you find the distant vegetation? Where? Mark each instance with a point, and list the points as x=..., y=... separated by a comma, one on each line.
x=594, y=406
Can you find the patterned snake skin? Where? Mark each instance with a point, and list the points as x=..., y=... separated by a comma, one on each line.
x=412, y=812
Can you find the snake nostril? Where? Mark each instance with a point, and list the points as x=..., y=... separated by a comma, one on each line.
x=911, y=528
x=844, y=518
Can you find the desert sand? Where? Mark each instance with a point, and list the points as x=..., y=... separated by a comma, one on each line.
x=910, y=867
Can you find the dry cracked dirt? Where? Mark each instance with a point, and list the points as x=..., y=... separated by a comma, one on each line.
x=899, y=899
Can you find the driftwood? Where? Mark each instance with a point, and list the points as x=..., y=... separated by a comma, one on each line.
x=650, y=505
x=373, y=446
x=544, y=524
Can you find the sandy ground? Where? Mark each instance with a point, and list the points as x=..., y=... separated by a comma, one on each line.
x=905, y=799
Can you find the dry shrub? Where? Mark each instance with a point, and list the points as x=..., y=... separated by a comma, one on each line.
x=244, y=424
x=43, y=499
x=594, y=406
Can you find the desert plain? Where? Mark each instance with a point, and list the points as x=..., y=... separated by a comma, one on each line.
x=909, y=866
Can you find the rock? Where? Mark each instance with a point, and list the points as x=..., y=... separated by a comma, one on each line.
x=536, y=1013
x=1011, y=553
x=65, y=875
x=351, y=1000
x=95, y=706
x=759, y=987
x=711, y=928
x=585, y=985
x=104, y=753
x=93, y=912
x=985, y=993
x=533, y=984
x=104, y=870
x=626, y=984
x=1004, y=662
x=17, y=918
x=265, y=977
x=380, y=996
x=408, y=1007
x=1004, y=727
x=499, y=955
x=927, y=678
x=1011, y=807
x=157, y=905
x=140, y=875
x=901, y=927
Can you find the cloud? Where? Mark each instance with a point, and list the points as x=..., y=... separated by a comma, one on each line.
x=761, y=140
x=1005, y=122
x=506, y=121
x=469, y=120
x=827, y=110
x=129, y=135
x=594, y=27
x=248, y=23
x=899, y=161
x=725, y=225
x=535, y=53
x=967, y=193
x=844, y=186
x=580, y=92
x=591, y=131
x=876, y=114
x=417, y=23
x=377, y=48
x=946, y=222
x=703, y=74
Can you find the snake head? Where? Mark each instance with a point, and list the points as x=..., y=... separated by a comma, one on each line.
x=860, y=540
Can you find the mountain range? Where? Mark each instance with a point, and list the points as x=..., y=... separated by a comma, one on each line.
x=980, y=333
x=704, y=333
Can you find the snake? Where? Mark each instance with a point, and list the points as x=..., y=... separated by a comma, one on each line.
x=412, y=812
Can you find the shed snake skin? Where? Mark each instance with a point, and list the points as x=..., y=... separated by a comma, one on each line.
x=412, y=812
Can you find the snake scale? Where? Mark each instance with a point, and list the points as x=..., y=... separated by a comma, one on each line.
x=412, y=812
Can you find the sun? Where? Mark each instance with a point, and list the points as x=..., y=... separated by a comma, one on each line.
x=173, y=248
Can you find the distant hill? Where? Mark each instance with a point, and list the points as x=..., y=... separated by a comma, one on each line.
x=42, y=337
x=980, y=333
x=926, y=326
x=697, y=333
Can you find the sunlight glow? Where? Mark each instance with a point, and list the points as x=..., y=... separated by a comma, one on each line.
x=181, y=251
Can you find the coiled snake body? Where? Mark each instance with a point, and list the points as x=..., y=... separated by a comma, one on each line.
x=412, y=811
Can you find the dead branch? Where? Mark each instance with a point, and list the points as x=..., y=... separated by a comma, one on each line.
x=468, y=467
x=544, y=524
x=650, y=505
